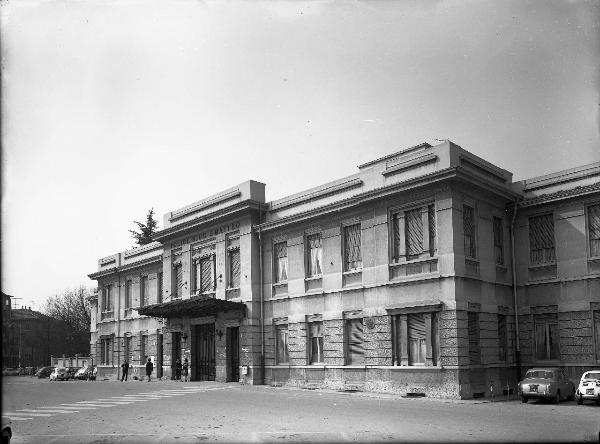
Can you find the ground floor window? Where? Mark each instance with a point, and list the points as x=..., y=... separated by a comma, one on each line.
x=502, y=337
x=546, y=337
x=355, y=348
x=143, y=348
x=597, y=332
x=281, y=340
x=106, y=351
x=128, y=349
x=474, y=346
x=416, y=338
x=315, y=341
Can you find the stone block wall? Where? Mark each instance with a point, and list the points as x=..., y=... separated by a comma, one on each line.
x=378, y=341
x=576, y=337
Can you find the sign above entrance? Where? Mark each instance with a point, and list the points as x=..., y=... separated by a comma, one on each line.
x=226, y=228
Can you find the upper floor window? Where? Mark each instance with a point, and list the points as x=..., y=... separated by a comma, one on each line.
x=144, y=290
x=314, y=255
x=233, y=261
x=541, y=240
x=107, y=302
x=414, y=232
x=498, y=241
x=177, y=290
x=352, y=250
x=281, y=261
x=204, y=274
x=128, y=296
x=159, y=287
x=594, y=229
x=469, y=231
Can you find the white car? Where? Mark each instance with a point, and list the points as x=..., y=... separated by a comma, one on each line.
x=589, y=387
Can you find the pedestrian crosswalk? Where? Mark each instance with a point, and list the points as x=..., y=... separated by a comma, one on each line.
x=114, y=401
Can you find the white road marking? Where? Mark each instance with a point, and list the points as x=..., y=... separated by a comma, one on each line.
x=68, y=408
x=79, y=406
x=112, y=401
x=44, y=411
x=97, y=404
x=16, y=418
x=28, y=414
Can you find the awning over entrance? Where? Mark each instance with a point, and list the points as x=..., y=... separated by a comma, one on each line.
x=195, y=306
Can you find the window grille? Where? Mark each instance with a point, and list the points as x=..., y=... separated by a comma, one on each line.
x=414, y=233
x=431, y=217
x=397, y=234
x=469, y=231
x=597, y=332
x=128, y=292
x=282, y=344
x=417, y=350
x=207, y=273
x=159, y=288
x=355, y=342
x=594, y=229
x=315, y=331
x=474, y=351
x=234, y=268
x=541, y=239
x=498, y=241
x=502, y=337
x=280, y=253
x=178, y=281
x=315, y=255
x=352, y=254
x=144, y=290
x=547, y=337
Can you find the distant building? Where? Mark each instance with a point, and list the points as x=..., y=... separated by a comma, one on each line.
x=30, y=338
x=397, y=278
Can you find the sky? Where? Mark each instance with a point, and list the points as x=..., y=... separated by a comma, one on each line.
x=110, y=108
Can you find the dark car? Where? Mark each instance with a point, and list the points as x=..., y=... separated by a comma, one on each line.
x=546, y=383
x=44, y=372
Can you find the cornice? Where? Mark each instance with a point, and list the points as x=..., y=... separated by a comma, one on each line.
x=127, y=267
x=175, y=215
x=317, y=194
x=561, y=195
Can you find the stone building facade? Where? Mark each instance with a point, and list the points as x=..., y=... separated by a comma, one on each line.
x=397, y=278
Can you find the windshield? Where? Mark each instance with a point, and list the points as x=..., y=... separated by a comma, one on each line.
x=592, y=375
x=542, y=374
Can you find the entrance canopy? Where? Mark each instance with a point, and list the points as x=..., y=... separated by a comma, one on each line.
x=195, y=306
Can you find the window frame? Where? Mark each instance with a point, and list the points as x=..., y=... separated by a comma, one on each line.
x=549, y=214
x=429, y=232
x=502, y=342
x=347, y=343
x=278, y=360
x=175, y=295
x=128, y=297
x=547, y=337
x=197, y=280
x=276, y=263
x=144, y=286
x=588, y=230
x=345, y=232
x=475, y=242
x=474, y=340
x=308, y=253
x=310, y=343
x=500, y=261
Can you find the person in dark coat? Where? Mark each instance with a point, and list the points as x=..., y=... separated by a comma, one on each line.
x=186, y=367
x=125, y=367
x=178, y=370
x=149, y=368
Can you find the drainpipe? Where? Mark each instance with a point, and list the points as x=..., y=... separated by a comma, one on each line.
x=515, y=296
x=262, y=328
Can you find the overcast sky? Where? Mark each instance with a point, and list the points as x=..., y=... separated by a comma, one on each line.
x=112, y=108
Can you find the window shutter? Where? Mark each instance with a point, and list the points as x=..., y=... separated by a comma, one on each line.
x=541, y=239
x=234, y=267
x=356, y=347
x=414, y=232
x=594, y=229
x=178, y=281
x=352, y=247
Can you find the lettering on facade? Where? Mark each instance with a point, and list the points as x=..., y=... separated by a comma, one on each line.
x=206, y=234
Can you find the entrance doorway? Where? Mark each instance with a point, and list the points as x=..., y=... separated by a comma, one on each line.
x=233, y=354
x=175, y=351
x=203, y=353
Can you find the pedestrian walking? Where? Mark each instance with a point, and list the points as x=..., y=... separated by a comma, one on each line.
x=186, y=367
x=149, y=368
x=178, y=370
x=125, y=367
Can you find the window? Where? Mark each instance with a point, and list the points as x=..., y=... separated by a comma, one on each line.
x=144, y=290
x=594, y=229
x=498, y=241
x=502, y=337
x=417, y=350
x=233, y=259
x=315, y=341
x=314, y=256
x=431, y=220
x=204, y=274
x=159, y=288
x=128, y=296
x=129, y=349
x=106, y=351
x=469, y=231
x=107, y=302
x=474, y=350
x=143, y=348
x=177, y=281
x=352, y=254
x=597, y=332
x=281, y=339
x=546, y=337
x=412, y=235
x=355, y=342
x=412, y=348
x=281, y=262
x=541, y=240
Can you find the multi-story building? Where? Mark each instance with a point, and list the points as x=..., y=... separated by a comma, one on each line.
x=401, y=277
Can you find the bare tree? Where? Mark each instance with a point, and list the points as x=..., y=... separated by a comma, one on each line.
x=146, y=231
x=72, y=307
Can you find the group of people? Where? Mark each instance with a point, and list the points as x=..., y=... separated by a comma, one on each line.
x=180, y=369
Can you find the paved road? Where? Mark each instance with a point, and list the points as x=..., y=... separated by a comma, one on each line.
x=168, y=411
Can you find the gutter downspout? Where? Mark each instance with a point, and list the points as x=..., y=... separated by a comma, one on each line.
x=515, y=296
x=262, y=301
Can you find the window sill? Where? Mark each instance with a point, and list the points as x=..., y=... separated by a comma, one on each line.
x=352, y=272
x=472, y=260
x=501, y=267
x=541, y=266
x=594, y=259
x=210, y=294
x=280, y=284
x=314, y=278
x=397, y=263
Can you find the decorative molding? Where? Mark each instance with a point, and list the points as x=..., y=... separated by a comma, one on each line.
x=480, y=168
x=317, y=194
x=390, y=157
x=560, y=195
x=175, y=215
x=410, y=164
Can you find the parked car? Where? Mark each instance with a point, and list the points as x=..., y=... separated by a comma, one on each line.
x=6, y=429
x=44, y=372
x=63, y=373
x=10, y=372
x=86, y=373
x=589, y=387
x=546, y=383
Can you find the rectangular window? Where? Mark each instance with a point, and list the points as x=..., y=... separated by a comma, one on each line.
x=431, y=218
x=106, y=351
x=474, y=350
x=177, y=281
x=541, y=240
x=159, y=288
x=129, y=349
x=355, y=342
x=315, y=341
x=469, y=231
x=410, y=231
x=281, y=262
x=143, y=348
x=107, y=302
x=281, y=339
x=498, y=241
x=144, y=290
x=502, y=337
x=414, y=345
x=413, y=233
x=352, y=253
x=597, y=332
x=314, y=255
x=594, y=229
x=234, y=267
x=416, y=330
x=128, y=295
x=204, y=273
x=546, y=337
